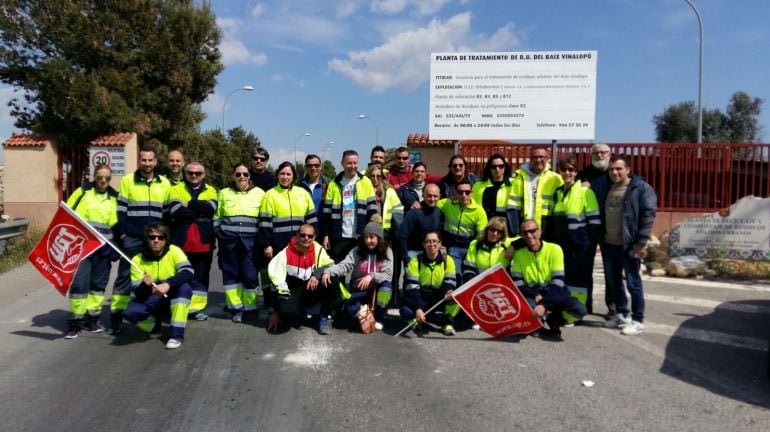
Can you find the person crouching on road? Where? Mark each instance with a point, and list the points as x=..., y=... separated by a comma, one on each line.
x=370, y=267
x=295, y=272
x=162, y=285
x=430, y=277
x=538, y=271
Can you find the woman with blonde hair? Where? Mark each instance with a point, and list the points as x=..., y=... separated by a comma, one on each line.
x=487, y=250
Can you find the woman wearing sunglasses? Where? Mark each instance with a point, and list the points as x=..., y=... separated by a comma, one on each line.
x=493, y=191
x=235, y=224
x=574, y=225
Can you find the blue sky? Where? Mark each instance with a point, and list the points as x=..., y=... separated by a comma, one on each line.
x=315, y=65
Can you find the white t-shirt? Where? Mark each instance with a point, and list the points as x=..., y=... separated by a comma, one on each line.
x=349, y=207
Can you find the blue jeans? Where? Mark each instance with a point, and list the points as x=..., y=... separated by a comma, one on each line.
x=458, y=256
x=617, y=259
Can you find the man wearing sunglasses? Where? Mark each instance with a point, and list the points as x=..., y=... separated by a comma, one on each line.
x=538, y=272
x=142, y=199
x=97, y=203
x=192, y=204
x=400, y=173
x=296, y=272
x=464, y=220
x=260, y=177
x=315, y=183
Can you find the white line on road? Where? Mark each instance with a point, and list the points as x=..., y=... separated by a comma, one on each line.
x=709, y=304
x=706, y=336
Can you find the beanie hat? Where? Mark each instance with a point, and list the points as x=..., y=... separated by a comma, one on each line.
x=374, y=227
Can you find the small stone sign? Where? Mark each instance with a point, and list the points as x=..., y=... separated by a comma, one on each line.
x=742, y=234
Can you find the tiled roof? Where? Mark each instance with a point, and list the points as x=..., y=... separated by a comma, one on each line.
x=113, y=140
x=27, y=140
x=423, y=140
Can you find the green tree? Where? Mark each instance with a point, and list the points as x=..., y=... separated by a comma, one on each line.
x=740, y=124
x=219, y=154
x=88, y=67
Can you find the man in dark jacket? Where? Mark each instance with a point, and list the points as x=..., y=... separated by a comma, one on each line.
x=628, y=213
x=260, y=176
x=419, y=221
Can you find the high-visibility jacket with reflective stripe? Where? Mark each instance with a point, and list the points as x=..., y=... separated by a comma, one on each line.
x=281, y=214
x=392, y=211
x=100, y=210
x=575, y=219
x=481, y=256
x=183, y=214
x=461, y=224
x=171, y=267
x=424, y=274
x=521, y=195
x=278, y=270
x=140, y=202
x=504, y=204
x=366, y=206
x=237, y=216
x=535, y=272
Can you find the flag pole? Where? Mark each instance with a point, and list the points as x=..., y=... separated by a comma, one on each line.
x=414, y=321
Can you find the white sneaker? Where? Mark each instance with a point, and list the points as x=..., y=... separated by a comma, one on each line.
x=634, y=328
x=378, y=325
x=476, y=326
x=617, y=321
x=173, y=344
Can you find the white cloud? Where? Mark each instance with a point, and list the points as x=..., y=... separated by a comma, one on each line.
x=676, y=20
x=6, y=94
x=276, y=77
x=422, y=7
x=346, y=9
x=258, y=10
x=301, y=83
x=403, y=61
x=233, y=50
x=283, y=154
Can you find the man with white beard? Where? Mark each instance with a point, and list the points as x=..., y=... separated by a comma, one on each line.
x=597, y=178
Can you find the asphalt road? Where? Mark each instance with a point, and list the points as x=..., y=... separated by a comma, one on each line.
x=700, y=365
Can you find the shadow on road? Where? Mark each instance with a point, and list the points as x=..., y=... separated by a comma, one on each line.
x=725, y=352
x=55, y=319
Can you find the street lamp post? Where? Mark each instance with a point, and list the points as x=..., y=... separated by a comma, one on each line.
x=306, y=134
x=327, y=147
x=376, y=128
x=224, y=105
x=700, y=74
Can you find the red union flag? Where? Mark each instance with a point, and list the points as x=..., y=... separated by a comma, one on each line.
x=492, y=300
x=67, y=241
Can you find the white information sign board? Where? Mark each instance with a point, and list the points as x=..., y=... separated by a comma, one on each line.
x=513, y=95
x=115, y=157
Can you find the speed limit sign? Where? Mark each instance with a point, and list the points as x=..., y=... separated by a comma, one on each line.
x=114, y=157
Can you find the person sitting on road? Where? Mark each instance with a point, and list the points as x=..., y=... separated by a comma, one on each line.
x=538, y=271
x=160, y=278
x=295, y=272
x=370, y=267
x=430, y=277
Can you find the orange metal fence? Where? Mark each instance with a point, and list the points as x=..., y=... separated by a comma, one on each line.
x=686, y=176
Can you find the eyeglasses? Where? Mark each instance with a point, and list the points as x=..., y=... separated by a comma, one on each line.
x=195, y=173
x=529, y=232
x=156, y=237
x=457, y=165
x=108, y=178
x=242, y=174
x=567, y=169
x=427, y=242
x=402, y=158
x=306, y=236
x=463, y=192
x=495, y=230
x=259, y=158
x=313, y=165
x=497, y=166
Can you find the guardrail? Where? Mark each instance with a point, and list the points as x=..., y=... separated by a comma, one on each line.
x=13, y=228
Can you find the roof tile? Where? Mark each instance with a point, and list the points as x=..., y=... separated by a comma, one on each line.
x=27, y=140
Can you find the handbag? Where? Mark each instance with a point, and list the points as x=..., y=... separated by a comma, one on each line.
x=365, y=316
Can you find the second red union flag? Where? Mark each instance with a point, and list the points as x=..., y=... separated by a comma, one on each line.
x=492, y=300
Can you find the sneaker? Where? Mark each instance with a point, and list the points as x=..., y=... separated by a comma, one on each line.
x=551, y=334
x=324, y=325
x=476, y=326
x=238, y=317
x=568, y=325
x=73, y=330
x=634, y=328
x=200, y=316
x=378, y=325
x=173, y=343
x=449, y=330
x=94, y=326
x=617, y=321
x=419, y=329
